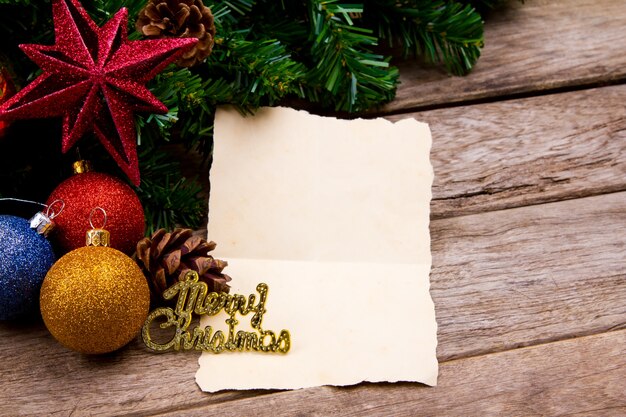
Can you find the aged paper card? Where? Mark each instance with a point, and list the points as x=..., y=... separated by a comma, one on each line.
x=333, y=215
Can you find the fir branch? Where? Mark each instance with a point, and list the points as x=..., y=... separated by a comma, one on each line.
x=167, y=197
x=355, y=77
x=445, y=32
x=103, y=10
x=257, y=72
x=291, y=28
x=230, y=13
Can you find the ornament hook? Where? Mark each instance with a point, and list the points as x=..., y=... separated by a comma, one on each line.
x=19, y=200
x=91, y=217
x=51, y=213
x=97, y=236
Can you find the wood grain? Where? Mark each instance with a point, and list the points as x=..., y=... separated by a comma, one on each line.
x=528, y=151
x=517, y=277
x=41, y=377
x=540, y=45
x=500, y=280
x=579, y=377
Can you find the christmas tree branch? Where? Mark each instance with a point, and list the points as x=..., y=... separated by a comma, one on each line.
x=355, y=77
x=168, y=198
x=444, y=32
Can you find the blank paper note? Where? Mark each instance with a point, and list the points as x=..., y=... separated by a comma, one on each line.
x=333, y=215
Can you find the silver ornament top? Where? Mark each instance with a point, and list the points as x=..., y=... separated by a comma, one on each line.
x=42, y=224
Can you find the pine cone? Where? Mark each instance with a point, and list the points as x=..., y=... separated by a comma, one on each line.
x=165, y=257
x=180, y=19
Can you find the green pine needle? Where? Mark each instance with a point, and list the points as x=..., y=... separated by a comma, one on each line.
x=355, y=77
x=167, y=197
x=444, y=32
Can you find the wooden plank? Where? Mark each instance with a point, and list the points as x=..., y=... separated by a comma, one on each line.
x=41, y=377
x=522, y=276
x=528, y=151
x=575, y=377
x=540, y=45
x=500, y=280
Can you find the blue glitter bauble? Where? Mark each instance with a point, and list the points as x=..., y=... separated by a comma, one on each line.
x=25, y=258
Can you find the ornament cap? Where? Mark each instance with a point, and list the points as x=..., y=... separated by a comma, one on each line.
x=98, y=237
x=82, y=166
x=42, y=224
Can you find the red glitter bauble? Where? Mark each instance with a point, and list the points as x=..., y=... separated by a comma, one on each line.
x=81, y=193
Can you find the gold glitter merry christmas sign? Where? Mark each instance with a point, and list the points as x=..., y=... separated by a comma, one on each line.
x=194, y=298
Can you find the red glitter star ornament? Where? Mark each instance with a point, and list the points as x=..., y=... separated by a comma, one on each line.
x=94, y=77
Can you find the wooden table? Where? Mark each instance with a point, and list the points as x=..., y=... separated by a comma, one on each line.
x=528, y=239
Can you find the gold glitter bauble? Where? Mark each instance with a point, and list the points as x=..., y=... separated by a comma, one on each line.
x=94, y=300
